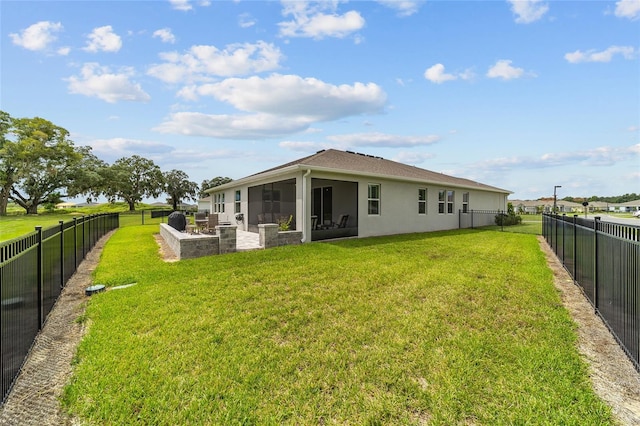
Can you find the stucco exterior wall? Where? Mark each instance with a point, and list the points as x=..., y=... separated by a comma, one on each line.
x=398, y=203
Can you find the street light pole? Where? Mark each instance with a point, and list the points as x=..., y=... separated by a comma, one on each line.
x=554, y=198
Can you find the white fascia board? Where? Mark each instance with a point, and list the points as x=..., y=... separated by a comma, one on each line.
x=256, y=178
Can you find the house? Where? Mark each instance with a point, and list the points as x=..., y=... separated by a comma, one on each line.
x=66, y=205
x=528, y=206
x=629, y=206
x=204, y=204
x=336, y=193
x=545, y=205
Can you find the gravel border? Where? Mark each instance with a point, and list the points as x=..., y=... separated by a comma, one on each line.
x=615, y=379
x=34, y=399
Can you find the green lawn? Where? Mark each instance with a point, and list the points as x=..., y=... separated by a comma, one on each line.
x=16, y=225
x=460, y=327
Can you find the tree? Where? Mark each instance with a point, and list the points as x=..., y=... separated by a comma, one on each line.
x=216, y=181
x=179, y=187
x=7, y=170
x=89, y=179
x=131, y=179
x=38, y=162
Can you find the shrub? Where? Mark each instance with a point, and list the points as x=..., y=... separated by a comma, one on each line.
x=503, y=219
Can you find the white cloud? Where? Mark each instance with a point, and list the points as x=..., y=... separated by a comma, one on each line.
x=436, y=74
x=601, y=156
x=628, y=52
x=250, y=126
x=628, y=9
x=634, y=128
x=37, y=36
x=245, y=20
x=103, y=39
x=291, y=95
x=100, y=82
x=310, y=20
x=403, y=7
x=275, y=106
x=165, y=35
x=121, y=147
x=300, y=146
x=63, y=51
x=187, y=5
x=528, y=11
x=504, y=70
x=376, y=139
x=412, y=158
x=202, y=62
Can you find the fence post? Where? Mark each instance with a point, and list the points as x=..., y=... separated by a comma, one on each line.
x=575, y=247
x=75, y=244
x=142, y=211
x=595, y=262
x=471, y=218
x=84, y=220
x=564, y=216
x=61, y=253
x=39, y=274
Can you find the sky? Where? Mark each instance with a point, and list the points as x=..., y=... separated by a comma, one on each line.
x=523, y=95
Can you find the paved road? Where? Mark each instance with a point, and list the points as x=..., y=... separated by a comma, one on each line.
x=606, y=218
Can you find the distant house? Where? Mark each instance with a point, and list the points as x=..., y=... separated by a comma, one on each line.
x=204, y=204
x=339, y=193
x=629, y=206
x=545, y=206
x=66, y=205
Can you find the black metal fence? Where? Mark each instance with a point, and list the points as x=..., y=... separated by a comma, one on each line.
x=604, y=260
x=34, y=269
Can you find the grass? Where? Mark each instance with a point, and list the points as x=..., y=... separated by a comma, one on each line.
x=16, y=225
x=459, y=327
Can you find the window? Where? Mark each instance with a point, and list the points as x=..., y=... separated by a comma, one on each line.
x=441, y=201
x=218, y=203
x=374, y=199
x=422, y=200
x=465, y=202
x=450, y=195
x=237, y=202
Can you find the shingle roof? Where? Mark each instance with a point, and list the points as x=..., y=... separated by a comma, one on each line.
x=347, y=161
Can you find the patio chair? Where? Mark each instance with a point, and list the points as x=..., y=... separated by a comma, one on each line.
x=314, y=223
x=200, y=221
x=212, y=222
x=342, y=221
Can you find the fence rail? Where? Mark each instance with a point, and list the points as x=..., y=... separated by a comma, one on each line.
x=478, y=218
x=604, y=260
x=34, y=269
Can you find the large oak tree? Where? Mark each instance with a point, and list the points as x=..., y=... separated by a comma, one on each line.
x=38, y=161
x=178, y=187
x=131, y=179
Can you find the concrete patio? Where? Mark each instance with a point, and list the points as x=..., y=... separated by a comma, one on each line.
x=247, y=240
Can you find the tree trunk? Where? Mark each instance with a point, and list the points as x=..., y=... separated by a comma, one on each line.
x=4, y=201
x=132, y=206
x=32, y=209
